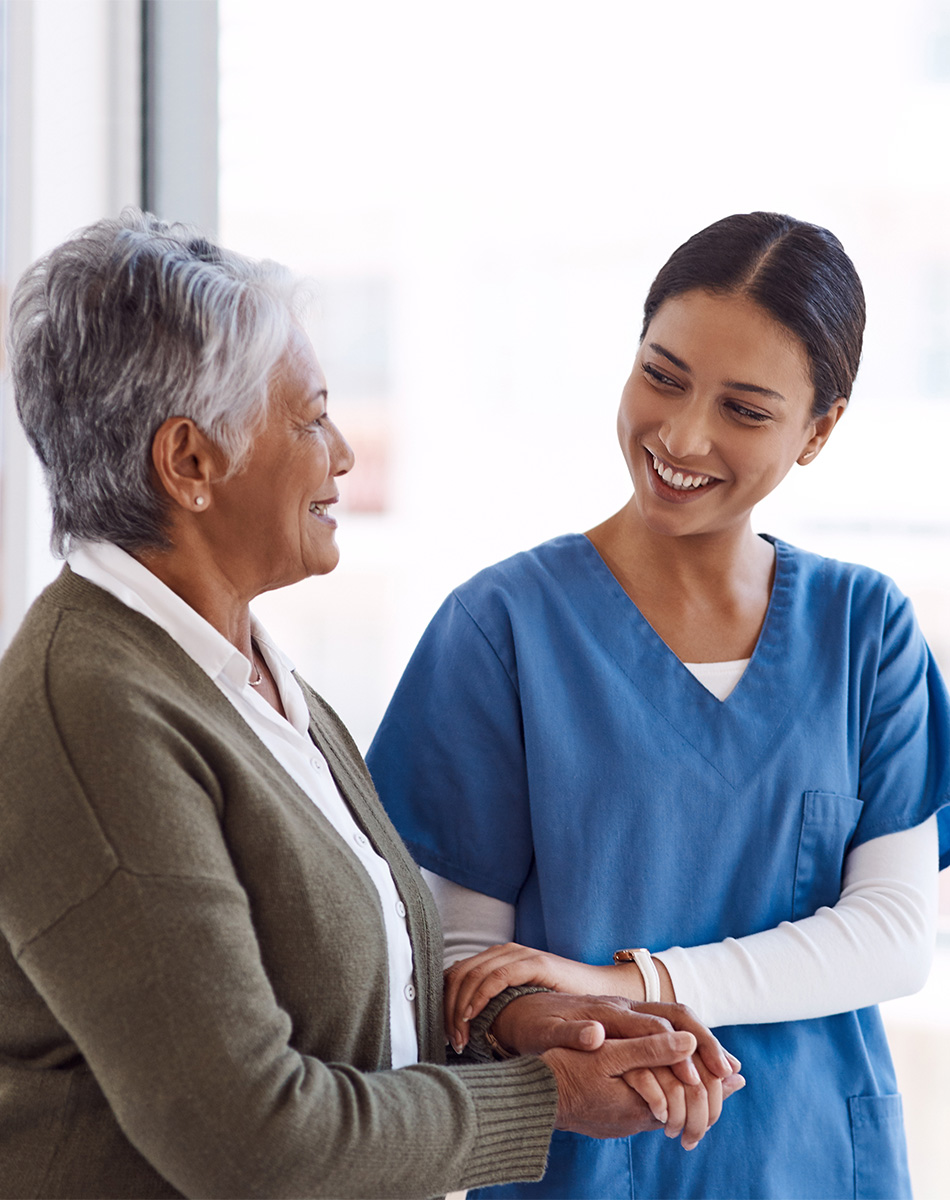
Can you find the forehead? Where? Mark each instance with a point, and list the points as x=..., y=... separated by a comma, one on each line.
x=730, y=338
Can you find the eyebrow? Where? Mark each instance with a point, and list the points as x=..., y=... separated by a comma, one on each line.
x=734, y=384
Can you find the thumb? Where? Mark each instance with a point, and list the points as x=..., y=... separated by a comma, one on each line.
x=653, y=1050
x=572, y=1035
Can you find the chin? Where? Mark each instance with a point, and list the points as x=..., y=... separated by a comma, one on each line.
x=325, y=564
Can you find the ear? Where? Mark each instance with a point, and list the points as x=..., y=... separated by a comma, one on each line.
x=821, y=430
x=186, y=462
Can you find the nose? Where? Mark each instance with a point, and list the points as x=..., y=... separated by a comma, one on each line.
x=341, y=454
x=685, y=430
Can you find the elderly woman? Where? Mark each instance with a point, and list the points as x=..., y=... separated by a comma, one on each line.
x=221, y=973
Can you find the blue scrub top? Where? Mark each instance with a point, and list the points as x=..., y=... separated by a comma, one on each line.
x=546, y=747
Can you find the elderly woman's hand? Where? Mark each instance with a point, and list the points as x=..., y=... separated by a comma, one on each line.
x=683, y=1094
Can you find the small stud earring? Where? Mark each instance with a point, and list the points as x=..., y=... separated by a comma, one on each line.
x=806, y=456
x=199, y=500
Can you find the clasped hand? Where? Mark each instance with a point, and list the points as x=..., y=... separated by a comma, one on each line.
x=622, y=1067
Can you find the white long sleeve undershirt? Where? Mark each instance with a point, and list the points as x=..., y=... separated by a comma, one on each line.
x=875, y=944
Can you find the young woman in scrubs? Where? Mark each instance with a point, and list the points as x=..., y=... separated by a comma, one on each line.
x=677, y=737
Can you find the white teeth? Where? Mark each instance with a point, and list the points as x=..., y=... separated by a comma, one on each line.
x=676, y=479
x=321, y=509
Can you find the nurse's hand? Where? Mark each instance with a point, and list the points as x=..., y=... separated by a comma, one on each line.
x=472, y=982
x=684, y=1096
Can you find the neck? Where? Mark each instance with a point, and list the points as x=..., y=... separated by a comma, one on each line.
x=705, y=595
x=712, y=563
x=204, y=584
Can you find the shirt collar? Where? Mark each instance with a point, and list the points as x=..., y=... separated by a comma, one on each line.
x=128, y=580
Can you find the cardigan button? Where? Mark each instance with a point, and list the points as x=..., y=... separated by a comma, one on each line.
x=409, y=992
x=400, y=909
x=360, y=839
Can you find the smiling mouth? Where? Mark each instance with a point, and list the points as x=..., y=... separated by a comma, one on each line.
x=320, y=509
x=679, y=481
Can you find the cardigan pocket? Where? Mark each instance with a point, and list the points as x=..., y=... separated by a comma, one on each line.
x=828, y=824
x=880, y=1153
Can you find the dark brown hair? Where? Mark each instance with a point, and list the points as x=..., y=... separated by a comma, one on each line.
x=798, y=273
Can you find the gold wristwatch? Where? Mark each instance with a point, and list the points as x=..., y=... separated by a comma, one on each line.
x=644, y=960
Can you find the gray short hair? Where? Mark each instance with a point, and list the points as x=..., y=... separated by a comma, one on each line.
x=127, y=323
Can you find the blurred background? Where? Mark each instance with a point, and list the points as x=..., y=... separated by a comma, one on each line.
x=481, y=195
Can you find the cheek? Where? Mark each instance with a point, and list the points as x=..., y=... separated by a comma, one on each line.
x=321, y=463
x=626, y=413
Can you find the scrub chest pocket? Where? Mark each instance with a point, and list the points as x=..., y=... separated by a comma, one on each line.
x=828, y=824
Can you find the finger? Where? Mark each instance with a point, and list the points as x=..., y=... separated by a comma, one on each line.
x=733, y=1084
x=647, y=1086
x=713, y=1085
x=655, y=1050
x=686, y=1072
x=714, y=1099
x=715, y=1057
x=712, y=1053
x=697, y=1116
x=460, y=980
x=621, y=1021
x=452, y=979
x=572, y=1035
x=675, y=1100
x=482, y=977
x=448, y=1012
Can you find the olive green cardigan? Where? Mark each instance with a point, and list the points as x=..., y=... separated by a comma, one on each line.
x=193, y=966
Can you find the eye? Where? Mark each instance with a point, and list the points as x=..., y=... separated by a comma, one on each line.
x=748, y=414
x=658, y=376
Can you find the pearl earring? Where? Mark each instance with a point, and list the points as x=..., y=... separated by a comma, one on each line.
x=199, y=500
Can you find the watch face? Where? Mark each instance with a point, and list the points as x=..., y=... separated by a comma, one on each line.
x=629, y=955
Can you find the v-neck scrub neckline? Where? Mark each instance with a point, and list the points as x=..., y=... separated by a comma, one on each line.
x=730, y=734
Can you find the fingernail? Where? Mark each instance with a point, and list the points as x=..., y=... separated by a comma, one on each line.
x=690, y=1145
x=683, y=1041
x=467, y=1015
x=663, y=1115
x=587, y=1036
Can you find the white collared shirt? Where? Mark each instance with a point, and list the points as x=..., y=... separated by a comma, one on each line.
x=287, y=739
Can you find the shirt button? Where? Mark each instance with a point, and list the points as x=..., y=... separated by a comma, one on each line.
x=360, y=839
x=316, y=764
x=409, y=992
x=400, y=909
